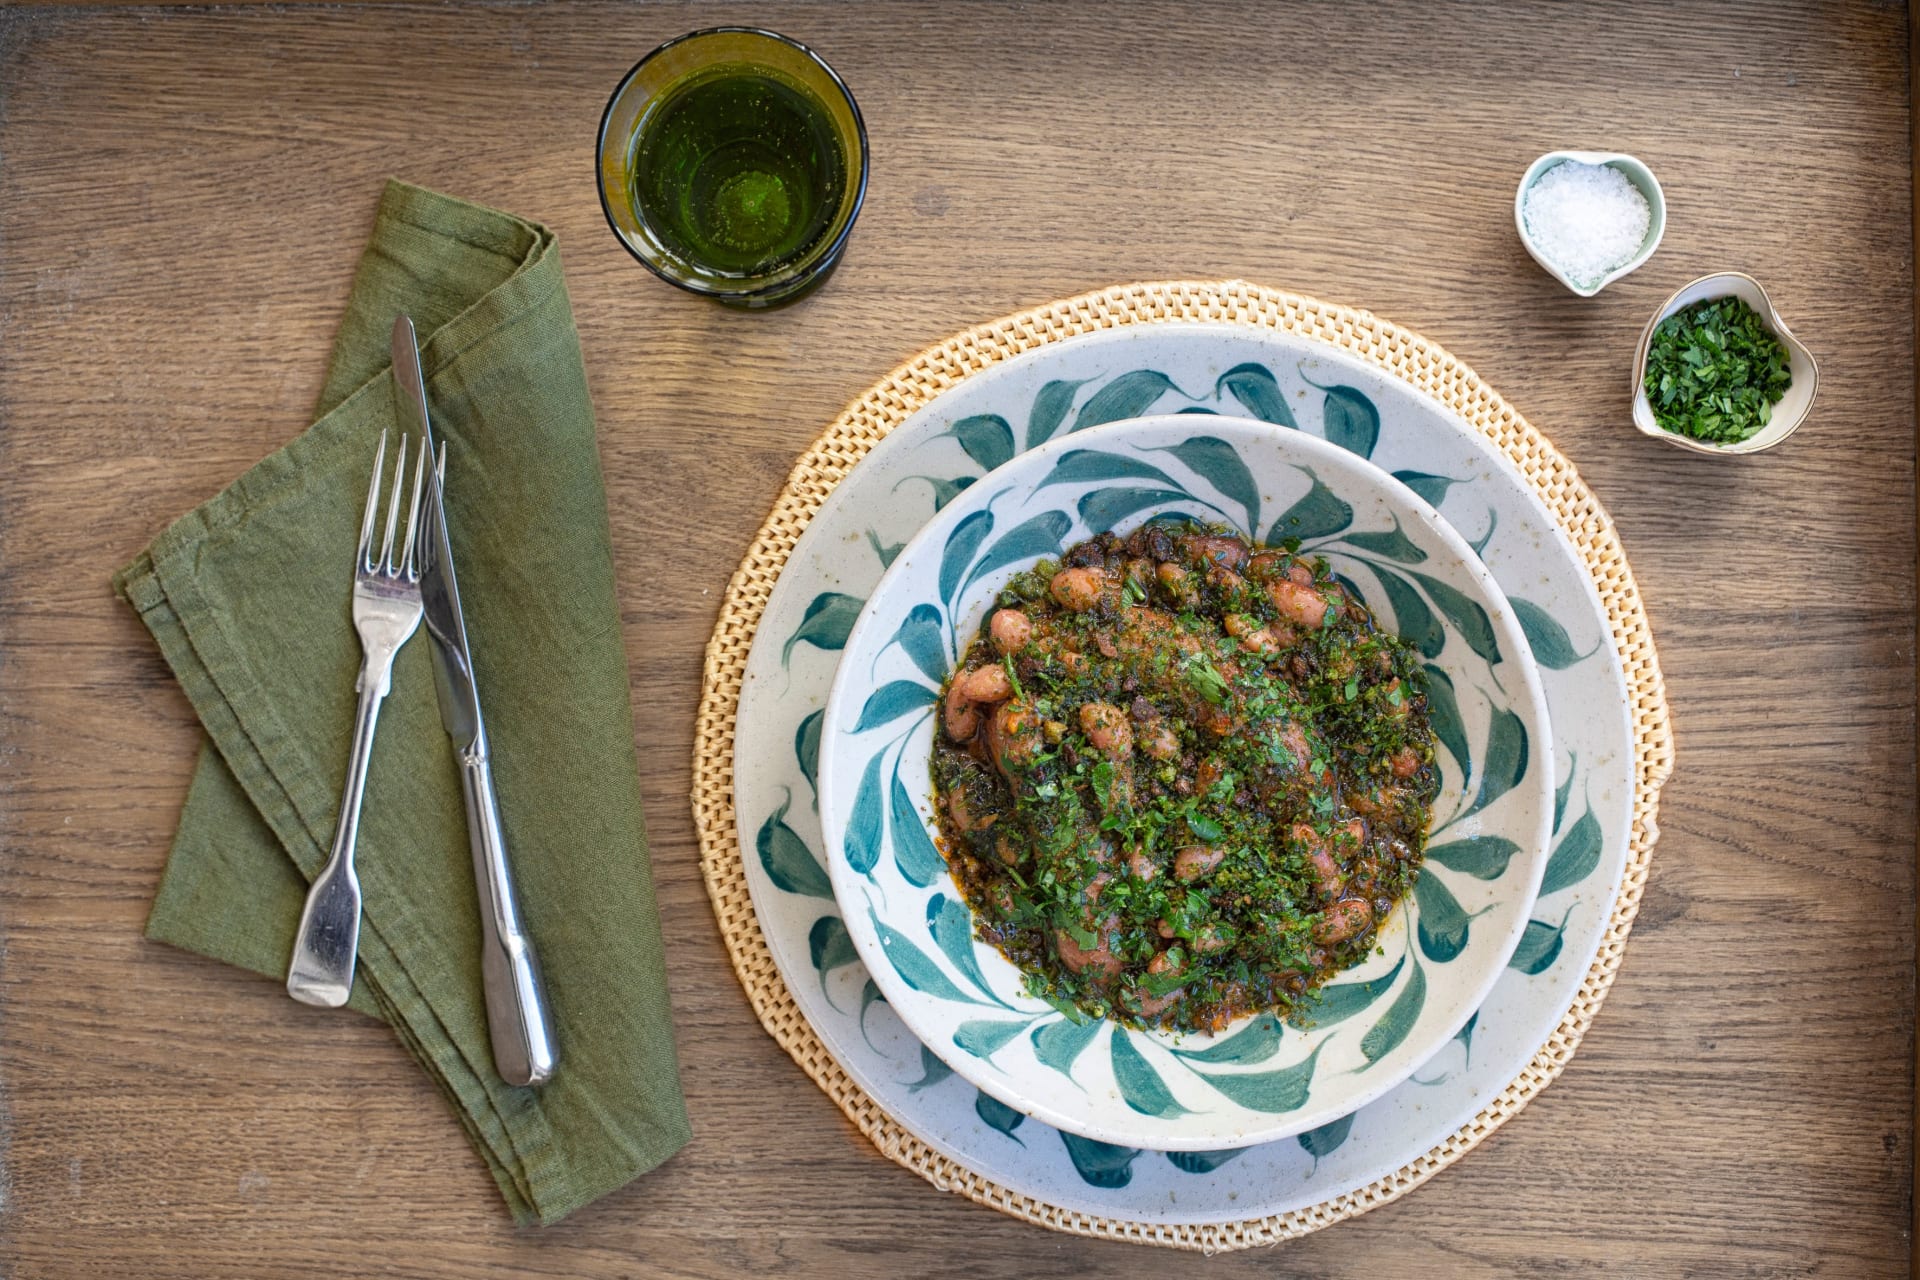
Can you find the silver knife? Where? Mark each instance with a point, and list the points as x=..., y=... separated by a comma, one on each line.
x=524, y=1050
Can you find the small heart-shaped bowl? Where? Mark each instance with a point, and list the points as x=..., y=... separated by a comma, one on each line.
x=1788, y=414
x=1636, y=173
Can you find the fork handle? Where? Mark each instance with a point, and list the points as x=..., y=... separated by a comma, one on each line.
x=524, y=1050
x=328, y=939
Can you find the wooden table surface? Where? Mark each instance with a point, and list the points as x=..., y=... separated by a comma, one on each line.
x=183, y=195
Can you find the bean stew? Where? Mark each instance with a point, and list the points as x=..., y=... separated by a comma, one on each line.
x=1181, y=779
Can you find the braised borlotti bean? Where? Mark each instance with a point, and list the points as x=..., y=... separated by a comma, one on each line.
x=1181, y=779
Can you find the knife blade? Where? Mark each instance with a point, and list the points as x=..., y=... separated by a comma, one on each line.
x=518, y=1025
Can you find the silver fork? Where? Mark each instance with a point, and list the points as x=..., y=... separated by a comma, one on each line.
x=386, y=612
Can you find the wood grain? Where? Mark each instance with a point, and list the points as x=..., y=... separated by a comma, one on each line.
x=183, y=197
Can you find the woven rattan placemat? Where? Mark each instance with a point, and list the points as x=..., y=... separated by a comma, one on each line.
x=885, y=406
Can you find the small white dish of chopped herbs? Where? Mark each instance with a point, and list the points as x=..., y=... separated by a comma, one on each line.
x=1718, y=371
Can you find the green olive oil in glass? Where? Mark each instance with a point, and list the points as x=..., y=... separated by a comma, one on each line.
x=732, y=164
x=739, y=170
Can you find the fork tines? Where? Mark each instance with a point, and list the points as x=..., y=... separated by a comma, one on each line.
x=386, y=564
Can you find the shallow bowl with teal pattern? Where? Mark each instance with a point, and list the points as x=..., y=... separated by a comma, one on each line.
x=1260, y=1079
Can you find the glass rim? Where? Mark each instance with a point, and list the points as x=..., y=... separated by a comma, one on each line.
x=829, y=252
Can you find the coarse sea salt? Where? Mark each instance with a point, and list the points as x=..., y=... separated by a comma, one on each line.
x=1588, y=218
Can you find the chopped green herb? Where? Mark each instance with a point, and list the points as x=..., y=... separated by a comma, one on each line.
x=1715, y=371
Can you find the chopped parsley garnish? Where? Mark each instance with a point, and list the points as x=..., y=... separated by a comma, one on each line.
x=1715, y=371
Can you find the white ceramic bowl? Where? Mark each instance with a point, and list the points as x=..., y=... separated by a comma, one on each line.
x=1636, y=173
x=1258, y=1080
x=1793, y=407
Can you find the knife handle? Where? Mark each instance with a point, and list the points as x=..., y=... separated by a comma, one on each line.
x=524, y=1050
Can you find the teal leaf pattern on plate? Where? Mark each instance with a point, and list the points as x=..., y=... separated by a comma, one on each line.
x=1102, y=509
x=1479, y=544
x=998, y=1115
x=1320, y=514
x=1564, y=790
x=1412, y=619
x=825, y=624
x=1090, y=466
x=869, y=997
x=864, y=825
x=1203, y=1161
x=1198, y=409
x=1119, y=487
x=1539, y=945
x=944, y=491
x=932, y=1071
x=806, y=749
x=1394, y=544
x=1255, y=387
x=1255, y=1042
x=951, y=924
x=1505, y=761
x=1326, y=1140
x=1429, y=486
x=1465, y=1035
x=1219, y=464
x=1057, y=1044
x=1100, y=1164
x=892, y=700
x=1043, y=535
x=885, y=550
x=1549, y=640
x=1443, y=711
x=915, y=967
x=829, y=946
x=987, y=438
x=923, y=641
x=1468, y=618
x=1339, y=1001
x=984, y=1037
x=1050, y=410
x=1444, y=923
x=785, y=858
x=1140, y=1085
x=1271, y=1092
x=1576, y=856
x=1482, y=857
x=913, y=850
x=962, y=545
x=1351, y=420
x=1127, y=396
x=1384, y=1036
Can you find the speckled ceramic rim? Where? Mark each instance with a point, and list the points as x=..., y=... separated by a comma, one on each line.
x=884, y=406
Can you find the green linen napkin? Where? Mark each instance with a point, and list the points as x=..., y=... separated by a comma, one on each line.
x=248, y=599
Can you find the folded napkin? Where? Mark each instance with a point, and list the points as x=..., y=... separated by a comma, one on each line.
x=248, y=599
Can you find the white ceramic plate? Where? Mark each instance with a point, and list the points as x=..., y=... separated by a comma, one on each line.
x=1260, y=1079
x=1119, y=373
